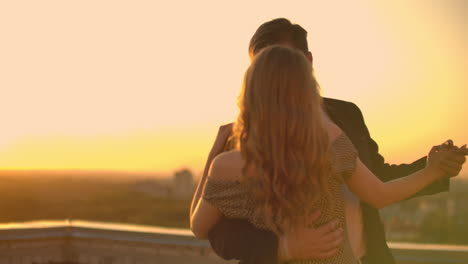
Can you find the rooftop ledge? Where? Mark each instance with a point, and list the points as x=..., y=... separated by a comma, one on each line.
x=88, y=229
x=97, y=242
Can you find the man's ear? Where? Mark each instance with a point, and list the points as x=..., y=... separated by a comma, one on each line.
x=310, y=57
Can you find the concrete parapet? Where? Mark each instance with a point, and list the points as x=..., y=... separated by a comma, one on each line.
x=84, y=242
x=101, y=243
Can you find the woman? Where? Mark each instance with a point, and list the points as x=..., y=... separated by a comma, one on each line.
x=291, y=159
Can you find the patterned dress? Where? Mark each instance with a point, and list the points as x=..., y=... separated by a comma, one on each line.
x=235, y=200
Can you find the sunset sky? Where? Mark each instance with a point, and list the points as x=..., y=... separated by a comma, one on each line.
x=144, y=85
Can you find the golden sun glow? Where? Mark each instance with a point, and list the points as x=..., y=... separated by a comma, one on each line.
x=144, y=86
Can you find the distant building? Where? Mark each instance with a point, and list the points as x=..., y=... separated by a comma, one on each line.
x=183, y=184
x=154, y=188
x=180, y=187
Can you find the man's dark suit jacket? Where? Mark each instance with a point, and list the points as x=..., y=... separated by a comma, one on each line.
x=237, y=239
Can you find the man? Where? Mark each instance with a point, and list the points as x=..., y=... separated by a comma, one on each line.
x=234, y=238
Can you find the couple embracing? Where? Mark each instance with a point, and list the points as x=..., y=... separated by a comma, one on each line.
x=297, y=178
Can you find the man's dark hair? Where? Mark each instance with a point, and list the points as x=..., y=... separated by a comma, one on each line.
x=277, y=31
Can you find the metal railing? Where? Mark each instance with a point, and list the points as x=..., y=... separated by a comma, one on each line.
x=106, y=243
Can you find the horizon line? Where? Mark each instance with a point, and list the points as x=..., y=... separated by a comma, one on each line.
x=90, y=171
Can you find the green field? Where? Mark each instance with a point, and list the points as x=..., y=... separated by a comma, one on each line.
x=25, y=198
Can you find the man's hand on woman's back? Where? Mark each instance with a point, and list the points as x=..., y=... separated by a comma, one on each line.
x=310, y=242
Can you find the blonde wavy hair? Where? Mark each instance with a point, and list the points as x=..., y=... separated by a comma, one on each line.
x=280, y=134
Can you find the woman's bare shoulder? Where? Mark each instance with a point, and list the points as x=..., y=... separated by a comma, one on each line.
x=333, y=130
x=227, y=166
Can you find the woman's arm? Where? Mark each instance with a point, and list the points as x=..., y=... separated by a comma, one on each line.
x=223, y=134
x=386, y=171
x=205, y=215
x=379, y=194
x=204, y=218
